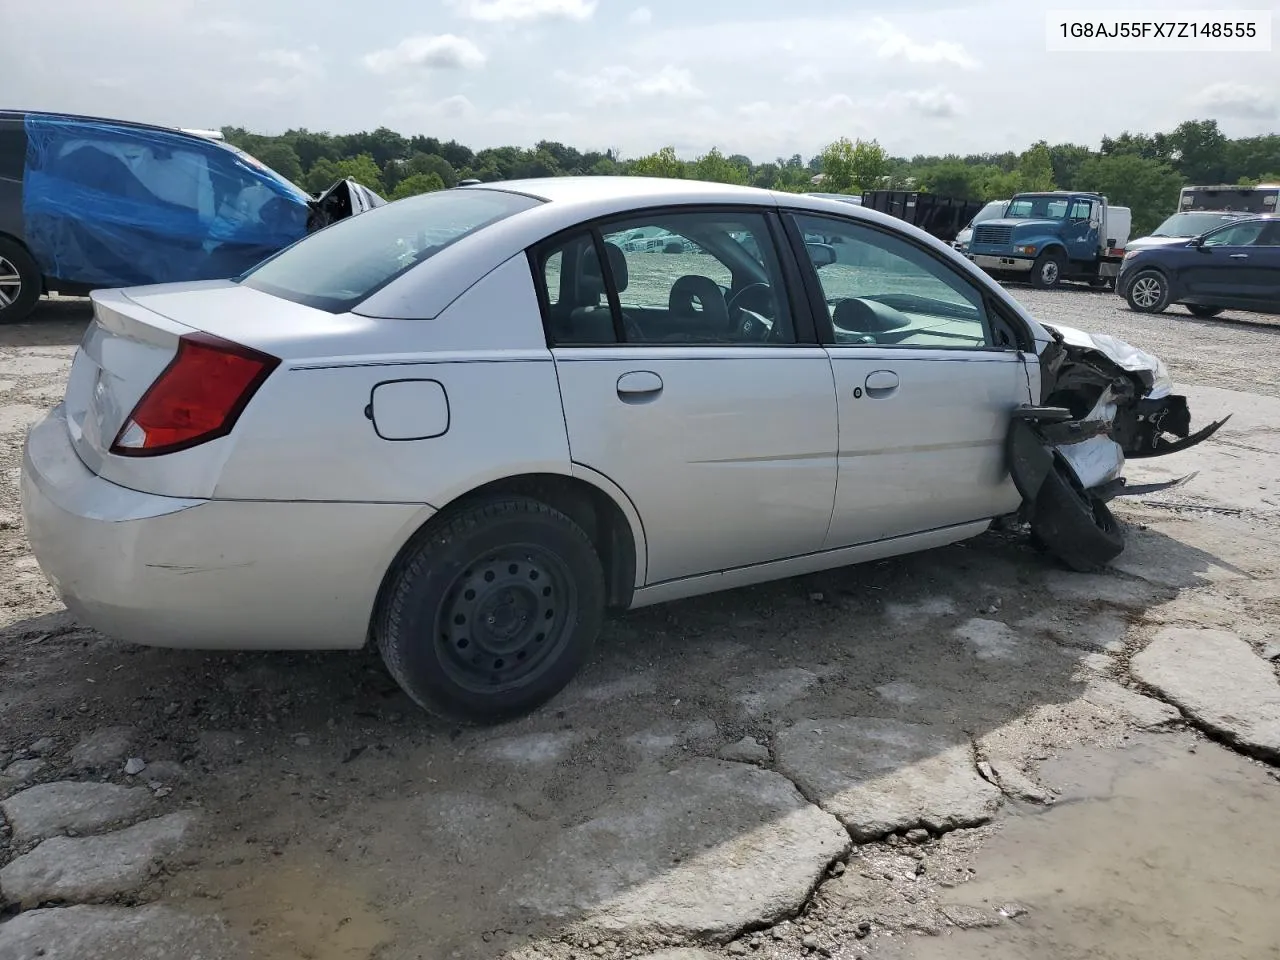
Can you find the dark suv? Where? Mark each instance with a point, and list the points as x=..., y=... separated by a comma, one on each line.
x=1232, y=267
x=87, y=203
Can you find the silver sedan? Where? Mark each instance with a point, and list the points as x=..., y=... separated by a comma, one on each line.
x=467, y=425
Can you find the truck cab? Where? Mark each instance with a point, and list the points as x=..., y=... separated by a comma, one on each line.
x=1051, y=236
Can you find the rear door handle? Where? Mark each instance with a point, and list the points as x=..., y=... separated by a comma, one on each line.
x=881, y=383
x=639, y=386
x=1239, y=256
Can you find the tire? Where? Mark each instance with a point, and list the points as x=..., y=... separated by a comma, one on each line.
x=20, y=282
x=1200, y=311
x=1148, y=292
x=492, y=611
x=1077, y=528
x=1046, y=272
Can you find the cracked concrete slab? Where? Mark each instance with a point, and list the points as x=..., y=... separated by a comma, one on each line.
x=772, y=690
x=1145, y=713
x=92, y=869
x=702, y=852
x=53, y=808
x=883, y=776
x=1217, y=679
x=116, y=933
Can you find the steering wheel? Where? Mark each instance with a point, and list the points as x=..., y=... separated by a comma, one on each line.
x=732, y=302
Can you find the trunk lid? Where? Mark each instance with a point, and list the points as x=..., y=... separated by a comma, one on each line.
x=123, y=351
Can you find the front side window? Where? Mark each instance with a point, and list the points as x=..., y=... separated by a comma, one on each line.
x=1238, y=235
x=679, y=278
x=348, y=261
x=1081, y=210
x=882, y=290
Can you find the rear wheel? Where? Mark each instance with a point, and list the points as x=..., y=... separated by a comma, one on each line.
x=1074, y=526
x=1148, y=292
x=1200, y=311
x=492, y=612
x=1047, y=271
x=19, y=282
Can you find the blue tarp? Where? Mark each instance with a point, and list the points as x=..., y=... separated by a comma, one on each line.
x=111, y=205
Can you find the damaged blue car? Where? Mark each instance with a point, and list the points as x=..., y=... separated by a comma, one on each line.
x=88, y=203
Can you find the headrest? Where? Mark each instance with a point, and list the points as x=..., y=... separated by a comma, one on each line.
x=617, y=266
x=703, y=289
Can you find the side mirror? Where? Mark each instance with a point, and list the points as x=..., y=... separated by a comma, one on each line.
x=1198, y=243
x=822, y=254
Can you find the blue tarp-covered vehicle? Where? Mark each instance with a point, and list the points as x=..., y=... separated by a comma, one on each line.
x=87, y=203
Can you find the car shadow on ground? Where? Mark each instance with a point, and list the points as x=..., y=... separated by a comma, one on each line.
x=54, y=323
x=328, y=795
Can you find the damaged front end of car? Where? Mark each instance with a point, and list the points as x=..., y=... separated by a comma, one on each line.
x=1102, y=401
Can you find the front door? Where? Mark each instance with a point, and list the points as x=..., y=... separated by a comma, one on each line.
x=684, y=381
x=924, y=388
x=1079, y=232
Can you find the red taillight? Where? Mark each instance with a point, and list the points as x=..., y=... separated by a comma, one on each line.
x=196, y=398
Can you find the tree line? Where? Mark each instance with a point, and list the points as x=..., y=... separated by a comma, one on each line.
x=1137, y=170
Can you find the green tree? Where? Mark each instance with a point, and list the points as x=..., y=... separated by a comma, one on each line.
x=952, y=178
x=714, y=166
x=1035, y=168
x=1149, y=188
x=432, y=163
x=363, y=170
x=417, y=183
x=849, y=166
x=1200, y=151
x=281, y=158
x=664, y=163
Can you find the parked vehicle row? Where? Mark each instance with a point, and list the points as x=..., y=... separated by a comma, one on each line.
x=465, y=425
x=87, y=204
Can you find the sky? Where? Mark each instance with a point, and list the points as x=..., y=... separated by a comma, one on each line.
x=748, y=76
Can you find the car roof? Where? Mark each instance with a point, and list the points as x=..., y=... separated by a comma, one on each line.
x=12, y=114
x=659, y=190
x=571, y=201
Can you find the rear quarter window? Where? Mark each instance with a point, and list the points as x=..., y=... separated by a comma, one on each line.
x=344, y=264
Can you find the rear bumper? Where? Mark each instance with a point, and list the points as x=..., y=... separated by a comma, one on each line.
x=206, y=574
x=1008, y=264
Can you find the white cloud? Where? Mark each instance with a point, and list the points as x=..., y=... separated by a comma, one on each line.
x=938, y=102
x=298, y=61
x=640, y=16
x=523, y=11
x=443, y=52
x=892, y=44
x=1236, y=100
x=620, y=84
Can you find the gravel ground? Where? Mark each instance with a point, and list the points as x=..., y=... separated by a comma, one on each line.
x=826, y=766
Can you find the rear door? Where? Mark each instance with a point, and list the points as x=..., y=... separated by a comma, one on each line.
x=1226, y=268
x=691, y=381
x=926, y=378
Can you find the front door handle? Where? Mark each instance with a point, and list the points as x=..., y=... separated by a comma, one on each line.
x=881, y=383
x=1239, y=256
x=639, y=386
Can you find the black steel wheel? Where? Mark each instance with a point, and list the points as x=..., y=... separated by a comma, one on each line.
x=492, y=611
x=506, y=618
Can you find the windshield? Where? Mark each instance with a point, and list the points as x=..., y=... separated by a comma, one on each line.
x=1191, y=224
x=1037, y=208
x=256, y=164
x=348, y=261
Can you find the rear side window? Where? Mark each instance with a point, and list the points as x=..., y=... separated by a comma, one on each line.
x=347, y=262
